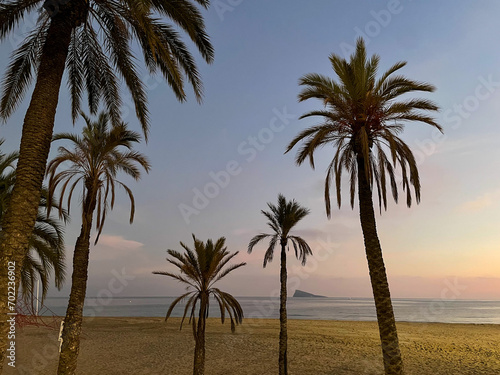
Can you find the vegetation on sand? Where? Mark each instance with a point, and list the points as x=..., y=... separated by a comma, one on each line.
x=282, y=218
x=46, y=243
x=95, y=159
x=200, y=268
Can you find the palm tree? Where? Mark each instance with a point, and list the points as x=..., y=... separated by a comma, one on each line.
x=361, y=120
x=95, y=160
x=92, y=40
x=282, y=218
x=46, y=252
x=200, y=269
x=46, y=243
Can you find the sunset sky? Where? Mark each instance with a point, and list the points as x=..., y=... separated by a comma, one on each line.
x=446, y=247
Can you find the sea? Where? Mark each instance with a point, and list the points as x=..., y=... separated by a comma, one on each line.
x=357, y=309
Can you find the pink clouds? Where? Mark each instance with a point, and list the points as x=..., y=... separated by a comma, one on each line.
x=114, y=247
x=483, y=201
x=118, y=242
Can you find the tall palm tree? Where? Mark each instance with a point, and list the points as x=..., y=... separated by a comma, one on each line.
x=200, y=269
x=95, y=160
x=92, y=41
x=361, y=120
x=282, y=218
x=46, y=243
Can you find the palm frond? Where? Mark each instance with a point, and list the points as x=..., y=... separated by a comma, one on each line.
x=269, y=254
x=175, y=302
x=12, y=13
x=255, y=240
x=19, y=74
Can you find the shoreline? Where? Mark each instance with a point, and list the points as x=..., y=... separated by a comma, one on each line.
x=424, y=311
x=118, y=345
x=47, y=317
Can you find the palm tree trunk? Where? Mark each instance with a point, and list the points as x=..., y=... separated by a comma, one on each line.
x=74, y=313
x=393, y=362
x=282, y=360
x=199, y=349
x=19, y=219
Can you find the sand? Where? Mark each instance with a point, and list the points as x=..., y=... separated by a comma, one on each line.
x=151, y=346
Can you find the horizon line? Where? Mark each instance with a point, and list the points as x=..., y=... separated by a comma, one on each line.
x=321, y=297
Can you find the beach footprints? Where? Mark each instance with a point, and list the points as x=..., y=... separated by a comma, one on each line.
x=371, y=366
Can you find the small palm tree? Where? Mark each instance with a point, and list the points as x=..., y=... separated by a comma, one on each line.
x=95, y=160
x=361, y=120
x=200, y=269
x=282, y=218
x=46, y=243
x=46, y=251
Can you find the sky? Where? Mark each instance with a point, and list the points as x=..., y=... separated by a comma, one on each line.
x=230, y=149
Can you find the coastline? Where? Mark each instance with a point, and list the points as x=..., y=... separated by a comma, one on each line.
x=345, y=309
x=151, y=346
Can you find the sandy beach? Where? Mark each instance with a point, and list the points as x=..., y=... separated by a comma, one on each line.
x=143, y=346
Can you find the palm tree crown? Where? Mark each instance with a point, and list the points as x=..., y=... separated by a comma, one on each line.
x=282, y=218
x=96, y=159
x=362, y=118
x=100, y=52
x=200, y=269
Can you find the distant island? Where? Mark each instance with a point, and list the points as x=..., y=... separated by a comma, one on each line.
x=301, y=293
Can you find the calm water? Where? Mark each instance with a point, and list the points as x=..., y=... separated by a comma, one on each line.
x=409, y=310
